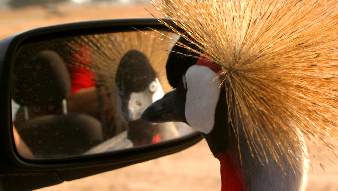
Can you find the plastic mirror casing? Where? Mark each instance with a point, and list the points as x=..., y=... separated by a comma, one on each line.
x=18, y=173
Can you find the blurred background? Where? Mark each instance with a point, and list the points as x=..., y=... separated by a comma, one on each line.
x=194, y=169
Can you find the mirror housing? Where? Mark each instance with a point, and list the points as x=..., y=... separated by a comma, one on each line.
x=33, y=174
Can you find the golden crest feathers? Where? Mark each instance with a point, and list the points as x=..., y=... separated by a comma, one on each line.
x=280, y=65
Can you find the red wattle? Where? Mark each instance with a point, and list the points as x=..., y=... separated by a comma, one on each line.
x=203, y=61
x=156, y=139
x=231, y=177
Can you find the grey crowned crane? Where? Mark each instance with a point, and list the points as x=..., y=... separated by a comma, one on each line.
x=254, y=77
x=198, y=100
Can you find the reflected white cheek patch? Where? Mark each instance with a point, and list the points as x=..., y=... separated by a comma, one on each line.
x=159, y=93
x=202, y=97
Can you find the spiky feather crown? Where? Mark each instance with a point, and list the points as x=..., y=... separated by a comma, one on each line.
x=279, y=63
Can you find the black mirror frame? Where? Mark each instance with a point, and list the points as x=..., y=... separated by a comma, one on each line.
x=50, y=172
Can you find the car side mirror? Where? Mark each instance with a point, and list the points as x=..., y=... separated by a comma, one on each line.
x=72, y=98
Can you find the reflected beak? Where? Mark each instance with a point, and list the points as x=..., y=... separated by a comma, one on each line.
x=170, y=108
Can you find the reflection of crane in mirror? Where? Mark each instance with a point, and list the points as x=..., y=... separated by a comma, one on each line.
x=137, y=84
x=129, y=50
x=138, y=87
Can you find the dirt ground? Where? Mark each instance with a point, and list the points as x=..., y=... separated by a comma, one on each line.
x=194, y=169
x=19, y=20
x=191, y=170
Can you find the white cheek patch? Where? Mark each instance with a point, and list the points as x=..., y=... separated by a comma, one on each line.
x=201, y=98
x=159, y=93
x=139, y=101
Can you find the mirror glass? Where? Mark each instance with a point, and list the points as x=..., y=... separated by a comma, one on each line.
x=83, y=95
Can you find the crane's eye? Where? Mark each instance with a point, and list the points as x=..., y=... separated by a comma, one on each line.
x=152, y=86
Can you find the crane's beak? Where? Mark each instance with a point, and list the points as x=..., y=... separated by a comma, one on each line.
x=170, y=108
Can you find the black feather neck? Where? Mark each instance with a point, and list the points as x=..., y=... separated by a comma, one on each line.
x=219, y=138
